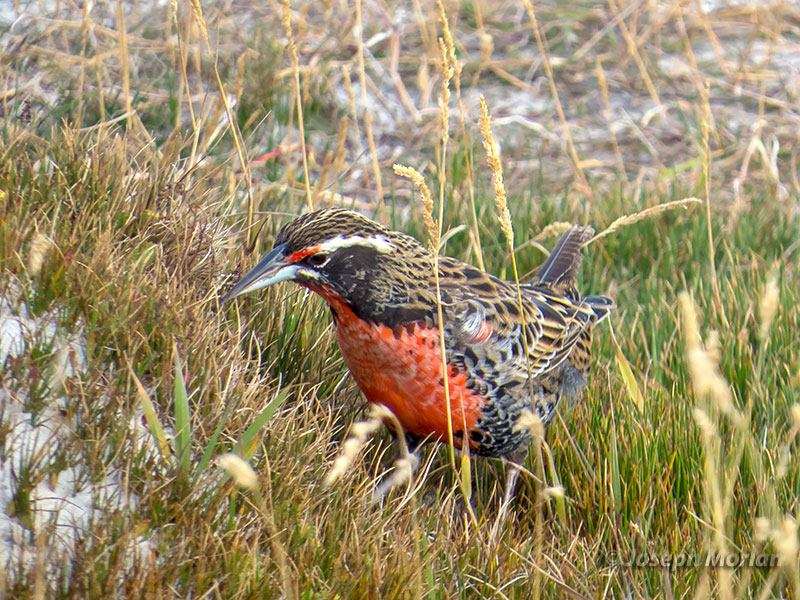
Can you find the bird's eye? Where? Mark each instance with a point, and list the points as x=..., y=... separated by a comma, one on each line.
x=317, y=260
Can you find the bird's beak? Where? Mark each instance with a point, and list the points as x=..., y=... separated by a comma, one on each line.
x=271, y=269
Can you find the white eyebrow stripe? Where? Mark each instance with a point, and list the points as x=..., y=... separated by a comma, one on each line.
x=379, y=243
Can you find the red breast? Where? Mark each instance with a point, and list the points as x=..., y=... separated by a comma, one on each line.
x=402, y=369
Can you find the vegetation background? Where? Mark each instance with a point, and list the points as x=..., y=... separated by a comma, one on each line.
x=150, y=152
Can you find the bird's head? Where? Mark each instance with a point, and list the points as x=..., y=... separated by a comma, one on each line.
x=344, y=253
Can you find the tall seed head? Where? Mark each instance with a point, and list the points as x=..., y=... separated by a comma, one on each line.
x=769, y=305
x=493, y=158
x=242, y=473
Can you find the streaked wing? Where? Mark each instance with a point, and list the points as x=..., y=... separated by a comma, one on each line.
x=483, y=308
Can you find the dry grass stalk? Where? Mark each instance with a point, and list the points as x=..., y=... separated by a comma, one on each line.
x=351, y=99
x=699, y=78
x=322, y=179
x=82, y=75
x=245, y=477
x=184, y=75
x=601, y=80
x=706, y=127
x=444, y=115
x=710, y=385
x=238, y=143
x=487, y=47
x=643, y=214
x=431, y=224
x=287, y=26
x=124, y=65
x=504, y=216
x=362, y=76
x=456, y=67
x=576, y=163
x=633, y=50
x=341, y=138
x=422, y=24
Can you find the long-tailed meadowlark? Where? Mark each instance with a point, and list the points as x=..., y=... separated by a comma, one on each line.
x=503, y=357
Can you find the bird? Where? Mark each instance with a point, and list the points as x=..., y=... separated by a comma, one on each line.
x=508, y=351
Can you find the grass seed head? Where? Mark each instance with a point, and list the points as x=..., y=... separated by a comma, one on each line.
x=796, y=415
x=444, y=99
x=768, y=307
x=493, y=158
x=427, y=201
x=447, y=36
x=243, y=474
x=761, y=529
x=353, y=445
x=713, y=346
x=704, y=423
x=786, y=542
x=555, y=491
x=40, y=248
x=487, y=47
x=529, y=421
x=403, y=471
x=644, y=214
x=707, y=380
x=556, y=228
x=703, y=370
x=691, y=332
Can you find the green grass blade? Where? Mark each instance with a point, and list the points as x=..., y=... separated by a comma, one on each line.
x=212, y=443
x=150, y=416
x=625, y=371
x=466, y=477
x=616, y=484
x=247, y=444
x=561, y=505
x=183, y=440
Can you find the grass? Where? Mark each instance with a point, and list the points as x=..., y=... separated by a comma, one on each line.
x=120, y=230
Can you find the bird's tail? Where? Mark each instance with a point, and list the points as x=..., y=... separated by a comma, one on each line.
x=562, y=265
